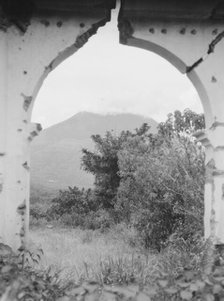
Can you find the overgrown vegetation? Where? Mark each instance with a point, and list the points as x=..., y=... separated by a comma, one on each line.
x=151, y=182
x=19, y=280
x=162, y=277
x=148, y=193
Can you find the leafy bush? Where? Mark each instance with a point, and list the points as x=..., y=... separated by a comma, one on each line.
x=152, y=182
x=162, y=186
x=38, y=215
x=20, y=281
x=125, y=278
x=73, y=201
x=93, y=220
x=101, y=219
x=37, y=211
x=79, y=208
x=72, y=219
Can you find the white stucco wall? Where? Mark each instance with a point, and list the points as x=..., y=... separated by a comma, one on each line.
x=27, y=58
x=183, y=44
x=25, y=61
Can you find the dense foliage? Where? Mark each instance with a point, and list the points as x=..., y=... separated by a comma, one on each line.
x=161, y=189
x=103, y=164
x=19, y=280
x=25, y=282
x=151, y=182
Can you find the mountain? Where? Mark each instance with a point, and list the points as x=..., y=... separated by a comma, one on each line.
x=56, y=152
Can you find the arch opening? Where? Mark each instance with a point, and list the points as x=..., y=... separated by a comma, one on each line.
x=179, y=64
x=125, y=82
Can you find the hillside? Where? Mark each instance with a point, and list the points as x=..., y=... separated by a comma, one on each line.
x=55, y=154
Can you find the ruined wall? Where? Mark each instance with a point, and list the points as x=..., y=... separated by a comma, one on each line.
x=37, y=35
x=34, y=38
x=190, y=35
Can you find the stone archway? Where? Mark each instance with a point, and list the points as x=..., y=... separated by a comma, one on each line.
x=36, y=36
x=194, y=44
x=30, y=49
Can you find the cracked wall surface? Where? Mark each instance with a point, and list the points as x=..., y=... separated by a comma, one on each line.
x=32, y=43
x=191, y=37
x=19, y=13
x=37, y=35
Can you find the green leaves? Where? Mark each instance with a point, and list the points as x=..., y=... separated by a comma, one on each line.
x=164, y=180
x=186, y=122
x=27, y=283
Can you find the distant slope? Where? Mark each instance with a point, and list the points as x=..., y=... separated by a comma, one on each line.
x=56, y=153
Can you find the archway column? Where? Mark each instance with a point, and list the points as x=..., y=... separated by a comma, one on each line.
x=214, y=182
x=216, y=196
x=26, y=58
x=211, y=75
x=196, y=50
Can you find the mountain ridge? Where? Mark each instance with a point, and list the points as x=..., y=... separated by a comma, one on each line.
x=56, y=152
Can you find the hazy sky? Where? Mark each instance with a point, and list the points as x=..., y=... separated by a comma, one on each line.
x=106, y=77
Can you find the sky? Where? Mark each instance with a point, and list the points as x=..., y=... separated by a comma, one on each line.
x=107, y=77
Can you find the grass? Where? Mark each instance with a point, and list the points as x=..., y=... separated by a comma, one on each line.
x=107, y=258
x=112, y=257
x=106, y=266
x=91, y=255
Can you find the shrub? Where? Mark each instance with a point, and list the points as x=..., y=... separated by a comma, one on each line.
x=73, y=200
x=152, y=182
x=38, y=215
x=37, y=211
x=19, y=281
x=101, y=219
x=40, y=222
x=161, y=189
x=72, y=219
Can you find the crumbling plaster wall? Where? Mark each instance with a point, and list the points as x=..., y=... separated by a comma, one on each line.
x=33, y=47
x=26, y=58
x=195, y=48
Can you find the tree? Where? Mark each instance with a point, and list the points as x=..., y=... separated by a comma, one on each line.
x=73, y=199
x=154, y=182
x=177, y=123
x=103, y=163
x=162, y=181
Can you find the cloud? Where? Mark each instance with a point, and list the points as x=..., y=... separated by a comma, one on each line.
x=105, y=76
